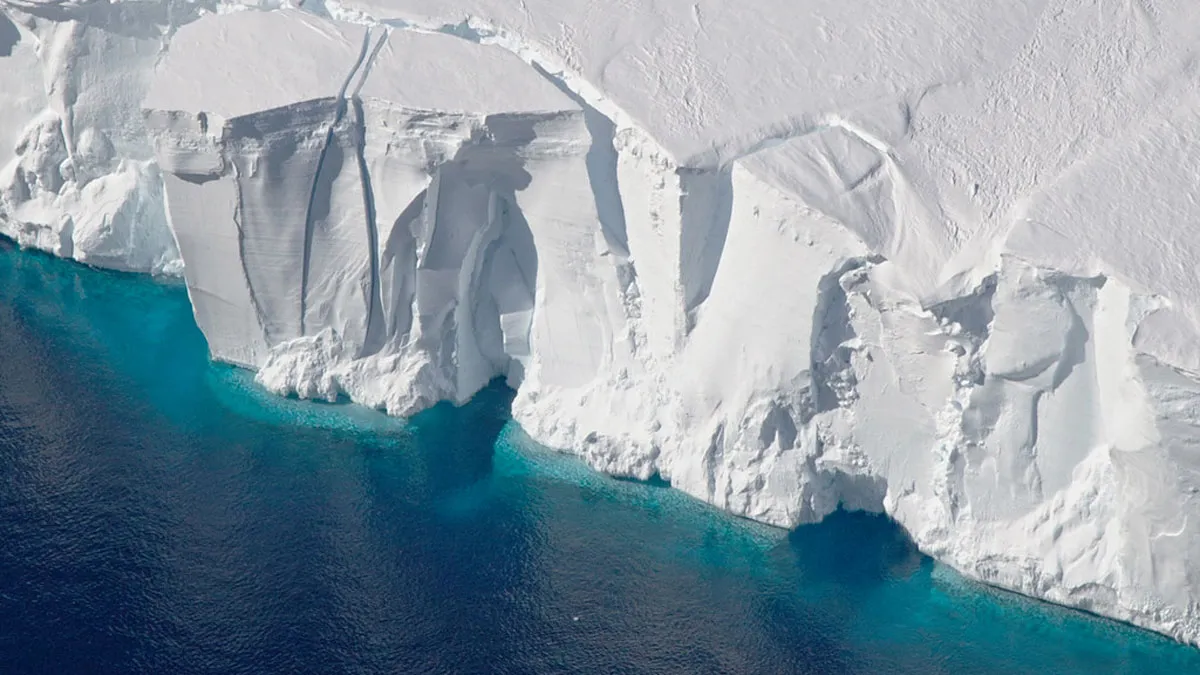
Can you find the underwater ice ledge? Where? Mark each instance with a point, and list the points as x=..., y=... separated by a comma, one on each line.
x=446, y=248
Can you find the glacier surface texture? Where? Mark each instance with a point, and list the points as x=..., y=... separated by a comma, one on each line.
x=931, y=258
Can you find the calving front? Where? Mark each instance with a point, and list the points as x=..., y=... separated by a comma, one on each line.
x=859, y=303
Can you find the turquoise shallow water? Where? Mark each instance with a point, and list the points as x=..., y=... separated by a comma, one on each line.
x=160, y=514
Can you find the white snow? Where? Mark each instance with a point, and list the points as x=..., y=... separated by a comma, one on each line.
x=929, y=258
x=77, y=176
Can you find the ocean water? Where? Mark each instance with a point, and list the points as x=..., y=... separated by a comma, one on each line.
x=160, y=514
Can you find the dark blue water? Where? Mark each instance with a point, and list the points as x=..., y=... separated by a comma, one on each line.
x=159, y=514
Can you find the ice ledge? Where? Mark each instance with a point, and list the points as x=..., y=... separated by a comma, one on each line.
x=826, y=315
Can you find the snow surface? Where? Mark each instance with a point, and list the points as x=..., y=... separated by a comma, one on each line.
x=930, y=258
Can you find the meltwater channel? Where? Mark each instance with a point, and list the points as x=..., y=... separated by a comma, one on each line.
x=161, y=514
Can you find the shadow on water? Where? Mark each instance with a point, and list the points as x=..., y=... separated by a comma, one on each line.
x=160, y=513
x=837, y=546
x=466, y=436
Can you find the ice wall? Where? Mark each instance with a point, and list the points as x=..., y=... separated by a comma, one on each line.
x=361, y=218
x=927, y=258
x=77, y=175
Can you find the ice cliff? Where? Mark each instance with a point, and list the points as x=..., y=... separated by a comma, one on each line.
x=936, y=259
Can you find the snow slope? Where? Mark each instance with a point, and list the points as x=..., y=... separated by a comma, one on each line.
x=928, y=258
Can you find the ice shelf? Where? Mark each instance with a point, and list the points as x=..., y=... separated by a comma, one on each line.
x=935, y=259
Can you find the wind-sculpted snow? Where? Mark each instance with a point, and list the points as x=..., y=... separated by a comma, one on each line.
x=928, y=258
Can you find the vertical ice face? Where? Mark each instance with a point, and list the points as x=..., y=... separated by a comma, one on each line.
x=77, y=176
x=398, y=216
x=375, y=202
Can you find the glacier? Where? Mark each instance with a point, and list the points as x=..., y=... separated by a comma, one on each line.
x=923, y=258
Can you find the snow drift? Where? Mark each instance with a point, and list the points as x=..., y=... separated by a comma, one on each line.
x=924, y=258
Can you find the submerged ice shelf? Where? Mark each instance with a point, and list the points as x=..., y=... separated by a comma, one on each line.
x=919, y=258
